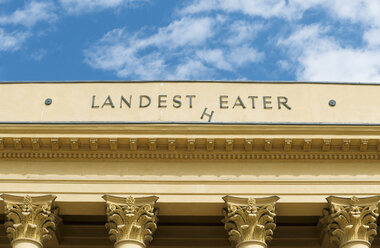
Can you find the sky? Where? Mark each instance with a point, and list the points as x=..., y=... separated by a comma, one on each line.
x=239, y=40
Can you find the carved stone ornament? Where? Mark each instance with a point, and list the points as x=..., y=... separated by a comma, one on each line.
x=131, y=219
x=30, y=218
x=250, y=219
x=352, y=220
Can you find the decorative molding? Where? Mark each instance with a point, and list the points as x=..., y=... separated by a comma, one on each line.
x=54, y=143
x=113, y=144
x=30, y=218
x=363, y=145
x=190, y=144
x=152, y=144
x=350, y=220
x=74, y=144
x=326, y=145
x=189, y=148
x=35, y=143
x=248, y=145
x=171, y=144
x=17, y=143
x=250, y=219
x=346, y=145
x=93, y=144
x=210, y=145
x=49, y=155
x=229, y=145
x=133, y=144
x=288, y=145
x=268, y=145
x=131, y=219
x=307, y=145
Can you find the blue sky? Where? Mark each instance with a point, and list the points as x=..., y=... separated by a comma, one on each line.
x=297, y=40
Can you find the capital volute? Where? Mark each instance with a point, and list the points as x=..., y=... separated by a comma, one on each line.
x=250, y=220
x=352, y=220
x=30, y=218
x=131, y=219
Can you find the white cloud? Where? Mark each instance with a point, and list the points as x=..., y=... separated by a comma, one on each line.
x=372, y=37
x=34, y=12
x=365, y=11
x=243, y=32
x=266, y=9
x=322, y=58
x=186, y=31
x=148, y=57
x=11, y=41
x=191, y=69
x=180, y=50
x=83, y=6
x=208, y=37
x=215, y=57
x=243, y=55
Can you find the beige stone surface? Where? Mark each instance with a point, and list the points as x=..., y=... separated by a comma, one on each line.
x=72, y=102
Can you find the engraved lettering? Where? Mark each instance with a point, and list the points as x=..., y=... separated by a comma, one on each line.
x=253, y=100
x=207, y=114
x=223, y=100
x=125, y=101
x=161, y=101
x=267, y=101
x=93, y=103
x=177, y=101
x=108, y=102
x=141, y=101
x=283, y=100
x=239, y=102
x=190, y=100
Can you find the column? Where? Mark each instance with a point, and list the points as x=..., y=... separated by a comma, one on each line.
x=131, y=221
x=250, y=221
x=30, y=221
x=351, y=222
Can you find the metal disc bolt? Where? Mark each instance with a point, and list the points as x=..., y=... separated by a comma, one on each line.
x=48, y=101
x=332, y=103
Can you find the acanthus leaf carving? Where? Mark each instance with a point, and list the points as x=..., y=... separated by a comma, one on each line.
x=130, y=218
x=250, y=219
x=352, y=219
x=33, y=218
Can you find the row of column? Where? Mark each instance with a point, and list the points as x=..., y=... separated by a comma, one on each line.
x=250, y=222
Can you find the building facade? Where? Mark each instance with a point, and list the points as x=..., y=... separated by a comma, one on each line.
x=189, y=164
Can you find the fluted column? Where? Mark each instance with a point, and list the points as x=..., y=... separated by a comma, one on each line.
x=30, y=221
x=351, y=222
x=131, y=222
x=250, y=221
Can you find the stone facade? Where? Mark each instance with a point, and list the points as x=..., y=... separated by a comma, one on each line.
x=304, y=176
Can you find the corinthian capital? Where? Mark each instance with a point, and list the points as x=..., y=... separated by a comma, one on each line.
x=250, y=220
x=30, y=218
x=131, y=219
x=352, y=220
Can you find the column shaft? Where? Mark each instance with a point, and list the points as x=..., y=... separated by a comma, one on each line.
x=251, y=244
x=25, y=243
x=129, y=244
x=357, y=244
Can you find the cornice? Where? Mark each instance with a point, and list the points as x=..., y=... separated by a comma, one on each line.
x=251, y=142
x=189, y=148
